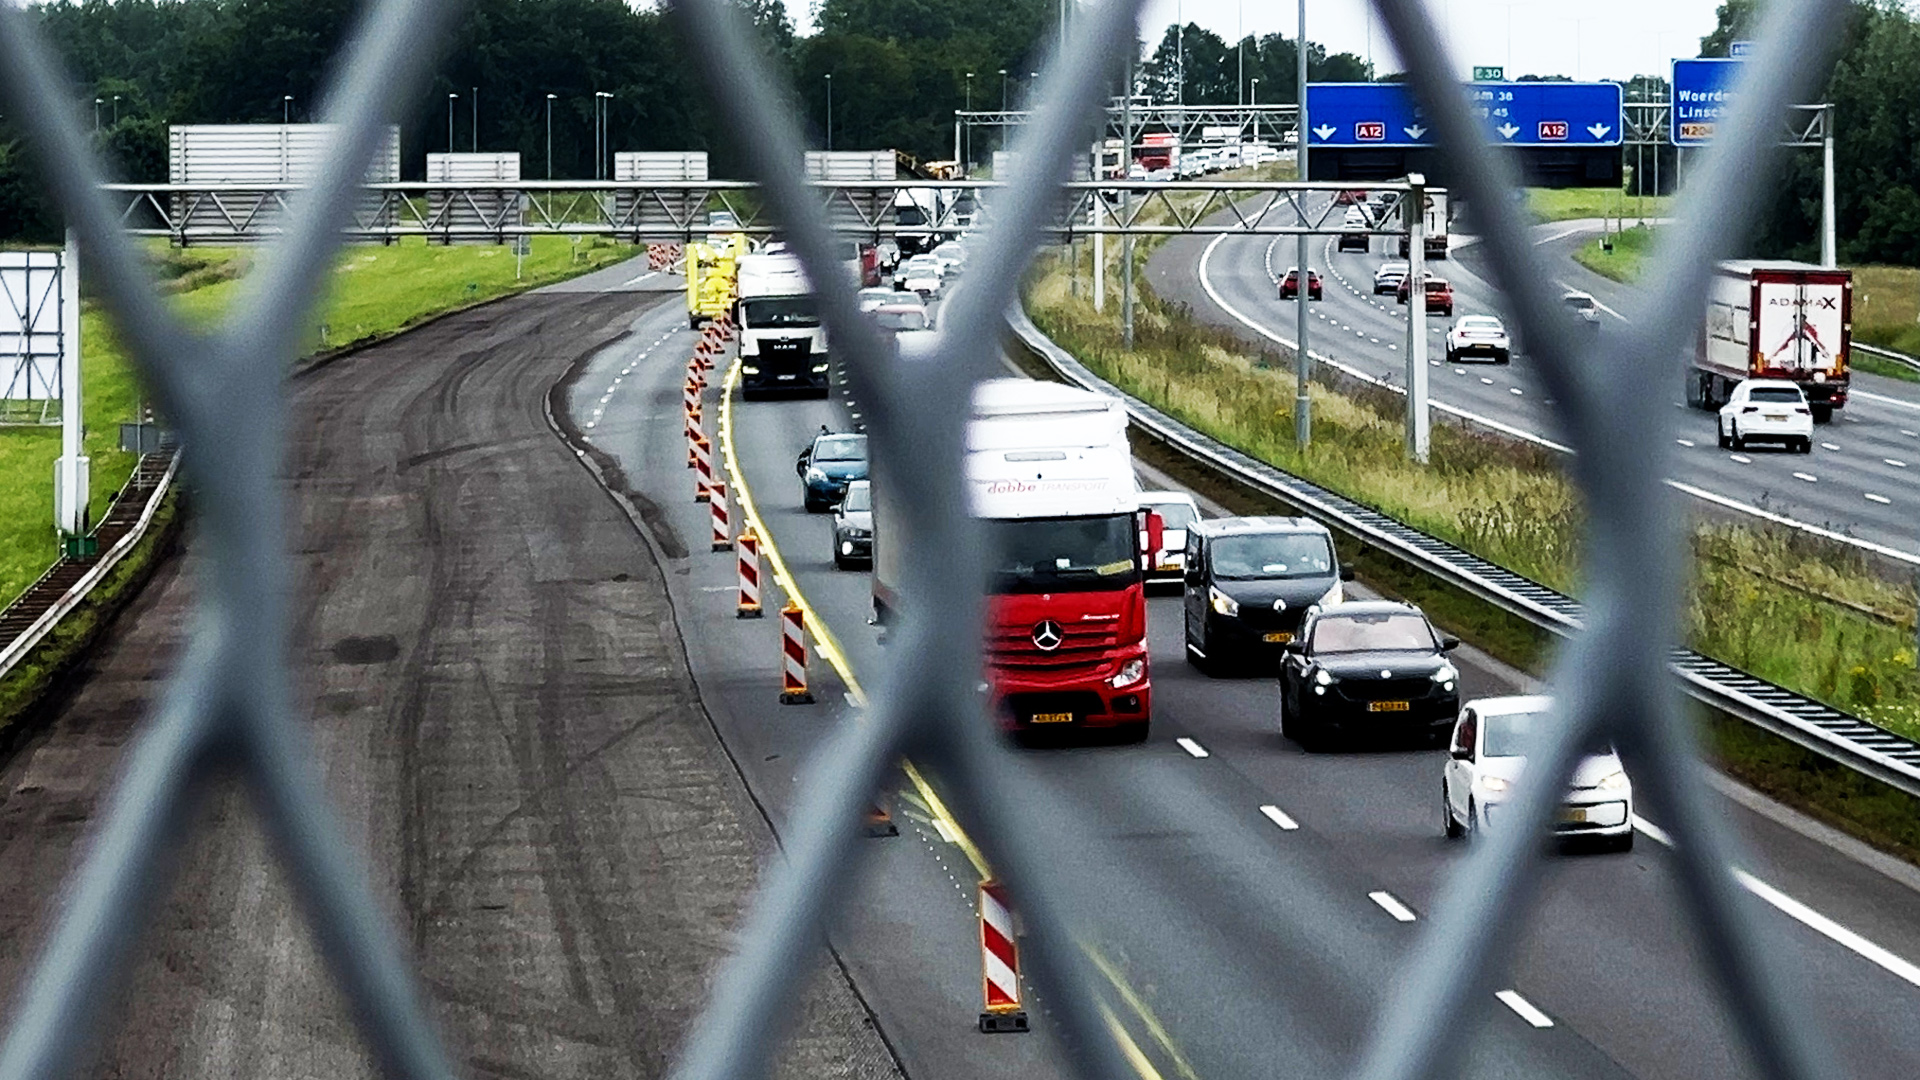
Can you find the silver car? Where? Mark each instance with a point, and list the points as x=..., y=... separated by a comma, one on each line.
x=1487, y=754
x=853, y=527
x=1387, y=279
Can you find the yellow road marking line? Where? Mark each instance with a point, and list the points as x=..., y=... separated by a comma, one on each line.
x=945, y=823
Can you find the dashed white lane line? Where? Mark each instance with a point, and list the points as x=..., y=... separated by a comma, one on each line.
x=1391, y=904
x=1881, y=499
x=1484, y=381
x=1829, y=446
x=1895, y=464
x=1807, y=476
x=1516, y=391
x=1279, y=817
x=1894, y=964
x=1191, y=747
x=1910, y=434
x=1526, y=1010
x=1688, y=443
x=1459, y=371
x=1741, y=458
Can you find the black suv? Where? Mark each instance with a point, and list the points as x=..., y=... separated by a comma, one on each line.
x=1248, y=583
x=1374, y=669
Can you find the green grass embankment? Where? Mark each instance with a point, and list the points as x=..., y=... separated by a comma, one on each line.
x=1809, y=615
x=1570, y=204
x=375, y=292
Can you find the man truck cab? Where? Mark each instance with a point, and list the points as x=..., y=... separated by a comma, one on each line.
x=783, y=346
x=1051, y=479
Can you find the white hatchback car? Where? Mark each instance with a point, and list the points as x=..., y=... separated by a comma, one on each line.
x=1766, y=410
x=1484, y=761
x=1177, y=510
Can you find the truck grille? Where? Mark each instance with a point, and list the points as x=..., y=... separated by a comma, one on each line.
x=1083, y=648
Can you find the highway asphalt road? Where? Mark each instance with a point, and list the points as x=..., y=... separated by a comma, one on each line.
x=1234, y=946
x=503, y=714
x=1862, y=479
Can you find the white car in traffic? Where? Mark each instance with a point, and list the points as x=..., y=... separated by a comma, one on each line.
x=1767, y=410
x=1177, y=510
x=1487, y=755
x=878, y=296
x=1478, y=336
x=921, y=274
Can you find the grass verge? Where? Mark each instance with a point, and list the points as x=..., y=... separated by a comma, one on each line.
x=374, y=293
x=1568, y=204
x=1624, y=260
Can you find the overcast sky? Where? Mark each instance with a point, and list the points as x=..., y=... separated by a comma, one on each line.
x=1587, y=39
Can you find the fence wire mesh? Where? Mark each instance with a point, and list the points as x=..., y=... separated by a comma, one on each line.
x=229, y=706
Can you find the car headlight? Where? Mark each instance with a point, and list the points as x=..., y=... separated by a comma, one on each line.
x=749, y=369
x=1334, y=595
x=1446, y=673
x=1495, y=783
x=1613, y=781
x=816, y=475
x=1222, y=603
x=1130, y=672
x=1322, y=678
x=819, y=369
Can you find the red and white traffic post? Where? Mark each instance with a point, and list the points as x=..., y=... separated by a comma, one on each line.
x=703, y=468
x=1000, y=963
x=793, y=657
x=722, y=523
x=694, y=435
x=749, y=549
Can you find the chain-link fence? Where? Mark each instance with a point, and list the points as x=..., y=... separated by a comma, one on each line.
x=229, y=704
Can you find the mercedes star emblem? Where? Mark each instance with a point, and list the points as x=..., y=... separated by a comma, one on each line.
x=1279, y=605
x=1047, y=635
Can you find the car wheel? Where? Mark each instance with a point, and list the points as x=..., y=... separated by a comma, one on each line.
x=813, y=506
x=840, y=563
x=1823, y=414
x=1503, y=358
x=1455, y=830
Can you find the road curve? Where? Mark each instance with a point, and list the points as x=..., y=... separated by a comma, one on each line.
x=1862, y=480
x=503, y=713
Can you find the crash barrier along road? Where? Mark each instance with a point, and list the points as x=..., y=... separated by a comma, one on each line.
x=230, y=705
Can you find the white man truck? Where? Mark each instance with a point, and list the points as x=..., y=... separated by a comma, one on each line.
x=1434, y=224
x=1051, y=478
x=783, y=346
x=1775, y=320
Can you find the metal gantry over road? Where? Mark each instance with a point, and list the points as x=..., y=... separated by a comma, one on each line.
x=229, y=710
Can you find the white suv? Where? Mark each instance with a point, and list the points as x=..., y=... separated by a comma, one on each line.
x=1484, y=761
x=1766, y=410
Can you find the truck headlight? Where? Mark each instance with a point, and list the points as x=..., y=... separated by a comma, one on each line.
x=1130, y=672
x=1222, y=603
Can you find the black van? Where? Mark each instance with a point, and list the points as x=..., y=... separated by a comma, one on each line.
x=1249, y=581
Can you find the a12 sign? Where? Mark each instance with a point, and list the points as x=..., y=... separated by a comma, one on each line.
x=1370, y=131
x=1553, y=131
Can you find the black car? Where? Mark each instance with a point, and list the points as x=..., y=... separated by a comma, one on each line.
x=833, y=461
x=1248, y=582
x=1374, y=671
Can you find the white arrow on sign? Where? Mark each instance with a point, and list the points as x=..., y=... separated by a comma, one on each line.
x=1415, y=131
x=1599, y=131
x=1507, y=131
x=1325, y=131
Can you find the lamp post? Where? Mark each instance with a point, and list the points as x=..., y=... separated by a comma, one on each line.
x=286, y=110
x=829, y=79
x=966, y=157
x=97, y=102
x=1302, y=363
x=451, y=98
x=602, y=100
x=1003, y=91
x=116, y=110
x=1253, y=92
x=549, y=136
x=476, y=119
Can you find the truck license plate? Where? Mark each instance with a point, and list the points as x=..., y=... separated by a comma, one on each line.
x=1279, y=638
x=1388, y=706
x=1053, y=718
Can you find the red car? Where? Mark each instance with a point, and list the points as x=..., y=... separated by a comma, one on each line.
x=1348, y=198
x=1439, y=296
x=1290, y=285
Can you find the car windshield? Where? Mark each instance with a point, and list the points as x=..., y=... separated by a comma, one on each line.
x=912, y=319
x=1481, y=324
x=878, y=296
x=777, y=311
x=841, y=448
x=1436, y=285
x=1062, y=554
x=1507, y=734
x=1173, y=515
x=923, y=264
x=1775, y=393
x=1395, y=268
x=1274, y=555
x=1577, y=301
x=859, y=497
x=1387, y=631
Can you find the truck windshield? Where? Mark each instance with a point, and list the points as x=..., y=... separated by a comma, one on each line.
x=1274, y=555
x=1062, y=554
x=777, y=311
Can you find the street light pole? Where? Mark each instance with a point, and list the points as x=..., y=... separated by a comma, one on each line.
x=1302, y=364
x=966, y=159
x=451, y=98
x=476, y=119
x=1003, y=93
x=97, y=102
x=116, y=110
x=286, y=110
x=829, y=78
x=549, y=136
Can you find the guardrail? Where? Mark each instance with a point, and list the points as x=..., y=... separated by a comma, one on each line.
x=1888, y=354
x=1827, y=731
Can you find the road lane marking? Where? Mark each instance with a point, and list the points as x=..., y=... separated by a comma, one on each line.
x=1807, y=476
x=1391, y=905
x=1688, y=443
x=1910, y=434
x=1191, y=747
x=1885, y=400
x=1279, y=817
x=1829, y=446
x=1140, y=1008
x=1516, y=391
x=1895, y=464
x=1526, y=1010
x=1741, y=458
x=1881, y=499
x=1135, y=1056
x=1484, y=381
x=1885, y=958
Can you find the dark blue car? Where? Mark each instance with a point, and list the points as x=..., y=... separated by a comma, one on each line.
x=828, y=466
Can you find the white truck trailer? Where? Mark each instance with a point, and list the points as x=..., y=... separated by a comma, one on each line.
x=1775, y=320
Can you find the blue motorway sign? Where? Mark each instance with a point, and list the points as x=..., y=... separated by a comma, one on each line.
x=1702, y=94
x=1516, y=113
